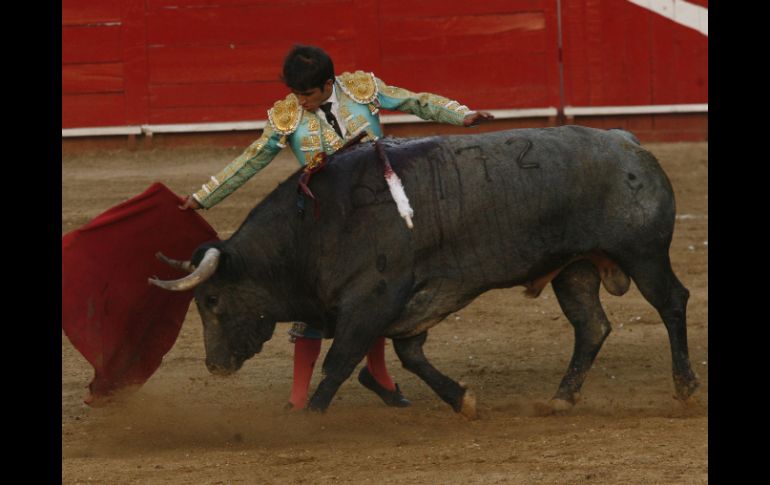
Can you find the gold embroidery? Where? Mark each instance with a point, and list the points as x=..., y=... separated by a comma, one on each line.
x=436, y=99
x=360, y=85
x=228, y=172
x=255, y=148
x=310, y=143
x=396, y=92
x=285, y=115
x=355, y=124
x=313, y=162
x=329, y=135
x=312, y=123
x=462, y=109
x=344, y=112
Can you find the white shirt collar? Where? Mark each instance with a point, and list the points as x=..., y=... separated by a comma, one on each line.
x=332, y=98
x=335, y=110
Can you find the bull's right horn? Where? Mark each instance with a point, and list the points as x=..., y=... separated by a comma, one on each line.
x=205, y=269
x=183, y=265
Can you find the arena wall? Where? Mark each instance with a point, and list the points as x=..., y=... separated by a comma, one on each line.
x=186, y=70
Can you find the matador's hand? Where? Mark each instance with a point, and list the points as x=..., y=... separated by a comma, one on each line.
x=474, y=119
x=190, y=203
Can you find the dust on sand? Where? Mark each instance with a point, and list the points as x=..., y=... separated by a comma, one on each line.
x=186, y=426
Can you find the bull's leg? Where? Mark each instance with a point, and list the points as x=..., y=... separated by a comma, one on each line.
x=340, y=362
x=358, y=327
x=658, y=284
x=409, y=351
x=577, y=290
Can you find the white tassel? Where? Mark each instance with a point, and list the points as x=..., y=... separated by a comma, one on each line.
x=402, y=201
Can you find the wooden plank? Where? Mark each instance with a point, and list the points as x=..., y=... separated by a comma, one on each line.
x=488, y=61
x=92, y=78
x=507, y=86
x=573, y=56
x=90, y=44
x=82, y=12
x=680, y=63
x=638, y=65
x=248, y=24
x=624, y=78
x=214, y=64
x=457, y=36
x=420, y=74
x=204, y=114
x=471, y=25
x=681, y=121
x=91, y=110
x=134, y=56
x=241, y=63
x=216, y=95
x=606, y=59
x=433, y=8
x=618, y=54
x=183, y=4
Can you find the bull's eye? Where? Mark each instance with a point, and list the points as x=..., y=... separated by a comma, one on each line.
x=212, y=300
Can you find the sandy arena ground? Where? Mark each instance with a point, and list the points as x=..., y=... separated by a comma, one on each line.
x=186, y=426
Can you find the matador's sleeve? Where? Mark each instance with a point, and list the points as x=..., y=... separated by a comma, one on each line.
x=252, y=160
x=424, y=105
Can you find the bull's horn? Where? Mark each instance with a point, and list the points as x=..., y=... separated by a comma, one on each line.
x=205, y=269
x=183, y=265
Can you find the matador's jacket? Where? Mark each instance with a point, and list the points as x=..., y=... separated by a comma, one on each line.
x=360, y=96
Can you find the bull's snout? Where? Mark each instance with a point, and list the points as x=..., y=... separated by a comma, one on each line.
x=222, y=369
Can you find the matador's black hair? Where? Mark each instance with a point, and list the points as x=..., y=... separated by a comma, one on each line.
x=307, y=67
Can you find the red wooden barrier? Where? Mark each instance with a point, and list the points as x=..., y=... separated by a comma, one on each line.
x=136, y=62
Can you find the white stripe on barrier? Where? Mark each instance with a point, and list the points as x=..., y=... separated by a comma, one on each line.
x=499, y=114
x=632, y=110
x=684, y=13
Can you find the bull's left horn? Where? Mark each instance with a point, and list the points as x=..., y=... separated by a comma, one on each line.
x=205, y=269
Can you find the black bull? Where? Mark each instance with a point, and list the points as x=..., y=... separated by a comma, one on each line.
x=573, y=206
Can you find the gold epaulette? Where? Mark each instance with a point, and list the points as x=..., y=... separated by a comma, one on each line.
x=360, y=86
x=285, y=115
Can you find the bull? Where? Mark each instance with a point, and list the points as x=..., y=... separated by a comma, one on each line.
x=572, y=206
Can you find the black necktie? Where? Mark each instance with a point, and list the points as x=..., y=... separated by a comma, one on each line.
x=327, y=109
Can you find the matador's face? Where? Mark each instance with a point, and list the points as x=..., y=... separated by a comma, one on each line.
x=311, y=99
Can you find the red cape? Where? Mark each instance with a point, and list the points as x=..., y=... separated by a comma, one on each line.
x=121, y=324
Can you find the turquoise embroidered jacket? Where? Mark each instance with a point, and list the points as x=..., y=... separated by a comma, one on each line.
x=360, y=97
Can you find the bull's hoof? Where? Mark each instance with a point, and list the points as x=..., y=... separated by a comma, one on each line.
x=315, y=409
x=689, y=403
x=560, y=405
x=543, y=409
x=468, y=408
x=554, y=406
x=686, y=388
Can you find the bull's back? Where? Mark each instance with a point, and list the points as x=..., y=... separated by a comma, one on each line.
x=490, y=210
x=501, y=208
